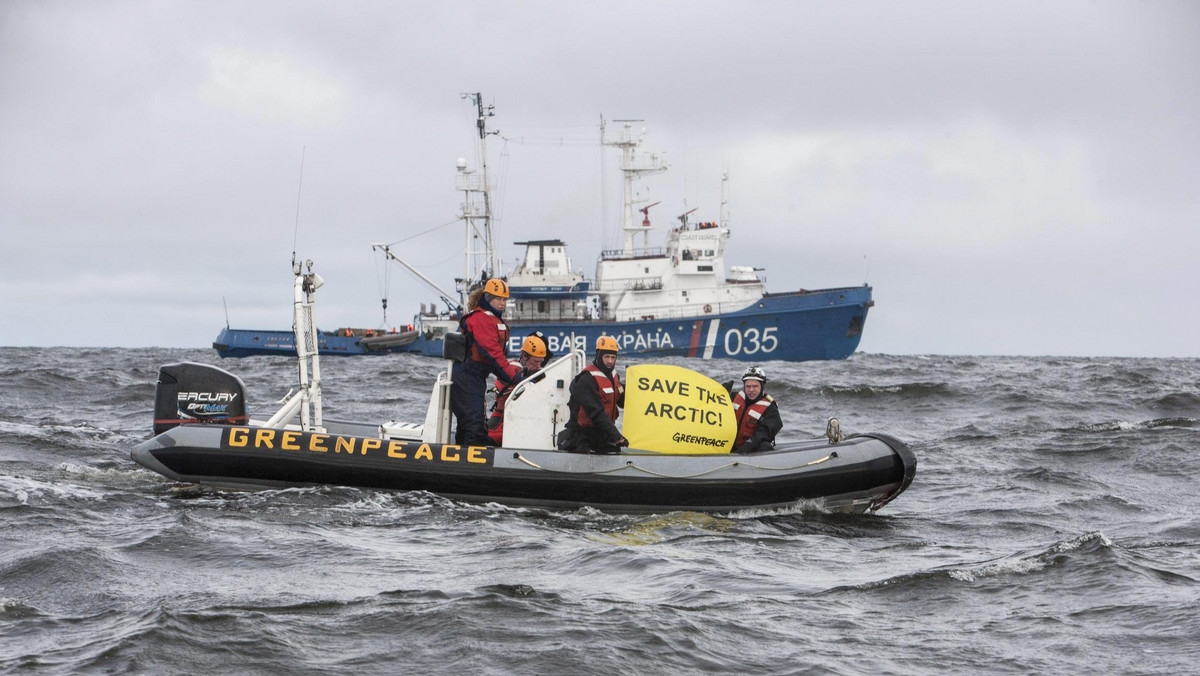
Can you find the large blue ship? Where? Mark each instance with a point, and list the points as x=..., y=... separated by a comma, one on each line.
x=675, y=300
x=799, y=326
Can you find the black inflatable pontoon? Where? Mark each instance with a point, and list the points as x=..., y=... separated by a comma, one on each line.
x=855, y=475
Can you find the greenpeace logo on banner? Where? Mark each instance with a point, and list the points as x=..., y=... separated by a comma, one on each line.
x=682, y=438
x=671, y=409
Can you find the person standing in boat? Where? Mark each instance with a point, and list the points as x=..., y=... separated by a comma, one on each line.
x=596, y=399
x=487, y=353
x=534, y=353
x=756, y=413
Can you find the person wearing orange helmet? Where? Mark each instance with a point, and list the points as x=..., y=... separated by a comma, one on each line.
x=487, y=353
x=534, y=353
x=596, y=399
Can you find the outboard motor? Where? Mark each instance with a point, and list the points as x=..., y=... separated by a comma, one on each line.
x=197, y=393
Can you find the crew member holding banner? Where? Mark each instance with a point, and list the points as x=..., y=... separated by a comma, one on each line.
x=675, y=410
x=534, y=353
x=596, y=397
x=756, y=413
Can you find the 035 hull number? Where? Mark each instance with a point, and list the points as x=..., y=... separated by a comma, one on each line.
x=751, y=341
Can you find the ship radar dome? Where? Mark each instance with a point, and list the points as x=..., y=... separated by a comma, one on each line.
x=462, y=163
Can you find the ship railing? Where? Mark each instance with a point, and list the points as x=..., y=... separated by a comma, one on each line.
x=620, y=254
x=550, y=315
x=473, y=182
x=685, y=311
x=758, y=279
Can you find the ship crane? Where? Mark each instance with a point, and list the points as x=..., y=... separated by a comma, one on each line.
x=646, y=214
x=683, y=217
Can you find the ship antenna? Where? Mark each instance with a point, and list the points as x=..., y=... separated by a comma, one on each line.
x=226, y=310
x=488, y=267
x=299, y=189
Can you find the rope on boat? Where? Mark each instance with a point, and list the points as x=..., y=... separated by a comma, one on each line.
x=629, y=464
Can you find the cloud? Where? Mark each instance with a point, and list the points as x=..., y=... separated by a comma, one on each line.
x=270, y=88
x=992, y=169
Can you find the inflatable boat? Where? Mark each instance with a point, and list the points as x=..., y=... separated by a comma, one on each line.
x=855, y=475
x=205, y=435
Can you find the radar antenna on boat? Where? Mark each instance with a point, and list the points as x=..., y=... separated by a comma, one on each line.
x=307, y=401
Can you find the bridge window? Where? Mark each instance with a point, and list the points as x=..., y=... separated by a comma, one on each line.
x=541, y=306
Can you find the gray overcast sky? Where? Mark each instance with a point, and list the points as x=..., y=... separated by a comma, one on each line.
x=1012, y=178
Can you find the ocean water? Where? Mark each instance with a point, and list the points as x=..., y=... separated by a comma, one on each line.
x=1052, y=528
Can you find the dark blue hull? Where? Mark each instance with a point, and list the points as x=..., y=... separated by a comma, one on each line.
x=801, y=326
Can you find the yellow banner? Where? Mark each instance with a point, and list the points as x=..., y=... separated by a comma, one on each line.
x=671, y=409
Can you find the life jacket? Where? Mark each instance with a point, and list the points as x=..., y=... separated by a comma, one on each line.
x=748, y=417
x=495, y=421
x=610, y=395
x=475, y=337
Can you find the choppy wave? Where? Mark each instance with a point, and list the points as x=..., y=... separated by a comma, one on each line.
x=1051, y=528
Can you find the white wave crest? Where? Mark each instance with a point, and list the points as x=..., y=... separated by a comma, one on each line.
x=1027, y=563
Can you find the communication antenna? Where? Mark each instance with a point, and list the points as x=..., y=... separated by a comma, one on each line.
x=299, y=189
x=488, y=266
x=633, y=167
x=226, y=311
x=724, y=213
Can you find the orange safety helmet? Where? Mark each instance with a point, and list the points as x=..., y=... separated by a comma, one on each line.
x=496, y=287
x=607, y=344
x=534, y=347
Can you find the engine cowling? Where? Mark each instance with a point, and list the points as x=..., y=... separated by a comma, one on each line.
x=191, y=393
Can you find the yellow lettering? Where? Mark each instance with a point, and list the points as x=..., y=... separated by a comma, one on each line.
x=344, y=445
x=425, y=451
x=288, y=442
x=371, y=444
x=264, y=438
x=395, y=449
x=317, y=443
x=446, y=457
x=474, y=454
x=239, y=436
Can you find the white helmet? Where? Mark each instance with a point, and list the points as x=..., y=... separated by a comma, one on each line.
x=755, y=373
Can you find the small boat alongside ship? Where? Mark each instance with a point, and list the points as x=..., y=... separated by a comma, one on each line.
x=344, y=341
x=204, y=435
x=676, y=300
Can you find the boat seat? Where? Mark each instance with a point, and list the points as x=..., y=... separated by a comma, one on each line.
x=537, y=410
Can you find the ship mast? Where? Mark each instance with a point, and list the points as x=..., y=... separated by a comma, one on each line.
x=725, y=199
x=632, y=168
x=480, y=262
